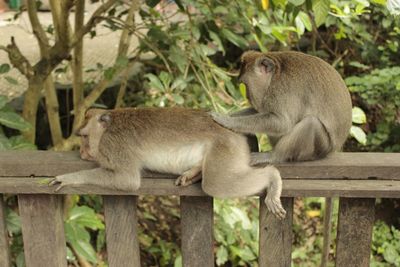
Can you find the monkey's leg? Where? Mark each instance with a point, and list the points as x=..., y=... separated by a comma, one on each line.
x=121, y=180
x=190, y=176
x=308, y=140
x=227, y=173
x=269, y=123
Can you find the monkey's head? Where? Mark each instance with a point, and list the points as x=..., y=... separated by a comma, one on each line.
x=94, y=125
x=256, y=71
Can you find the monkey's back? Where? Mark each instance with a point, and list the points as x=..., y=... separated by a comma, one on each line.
x=318, y=89
x=141, y=122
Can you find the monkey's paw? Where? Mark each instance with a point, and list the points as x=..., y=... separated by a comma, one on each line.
x=185, y=179
x=63, y=180
x=221, y=119
x=274, y=205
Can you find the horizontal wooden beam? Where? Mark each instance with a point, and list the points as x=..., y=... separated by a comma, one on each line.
x=164, y=187
x=381, y=166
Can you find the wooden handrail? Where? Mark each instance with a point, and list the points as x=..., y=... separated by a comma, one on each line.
x=356, y=178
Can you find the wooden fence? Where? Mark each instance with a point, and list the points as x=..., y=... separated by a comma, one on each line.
x=357, y=178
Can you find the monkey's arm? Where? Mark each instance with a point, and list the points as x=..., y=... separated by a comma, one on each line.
x=244, y=112
x=269, y=123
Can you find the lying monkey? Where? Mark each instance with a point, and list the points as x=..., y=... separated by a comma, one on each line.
x=179, y=141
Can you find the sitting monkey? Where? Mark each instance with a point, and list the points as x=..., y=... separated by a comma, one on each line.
x=179, y=141
x=298, y=100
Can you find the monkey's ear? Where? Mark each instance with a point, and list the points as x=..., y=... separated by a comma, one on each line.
x=266, y=64
x=105, y=119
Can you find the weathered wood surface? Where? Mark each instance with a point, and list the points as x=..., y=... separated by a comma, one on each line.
x=337, y=166
x=356, y=220
x=121, y=230
x=197, y=231
x=327, y=231
x=165, y=187
x=4, y=248
x=275, y=248
x=42, y=230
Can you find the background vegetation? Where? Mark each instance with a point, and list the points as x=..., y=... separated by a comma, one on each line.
x=187, y=55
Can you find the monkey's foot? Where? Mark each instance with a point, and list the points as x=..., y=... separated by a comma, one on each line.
x=187, y=179
x=63, y=180
x=274, y=205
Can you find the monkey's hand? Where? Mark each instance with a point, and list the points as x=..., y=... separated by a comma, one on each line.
x=274, y=205
x=223, y=120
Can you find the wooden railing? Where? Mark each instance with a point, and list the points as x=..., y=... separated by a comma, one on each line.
x=357, y=178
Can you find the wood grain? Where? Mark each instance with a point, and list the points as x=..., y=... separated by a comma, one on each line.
x=4, y=248
x=166, y=187
x=42, y=230
x=356, y=220
x=197, y=231
x=384, y=166
x=121, y=230
x=275, y=248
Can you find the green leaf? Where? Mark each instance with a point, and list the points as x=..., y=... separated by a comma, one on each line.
x=109, y=73
x=178, y=261
x=222, y=255
x=3, y=101
x=297, y=2
x=155, y=82
x=20, y=143
x=299, y=25
x=4, y=68
x=321, y=9
x=178, y=99
x=13, y=222
x=165, y=78
x=359, y=115
x=79, y=239
x=86, y=217
x=13, y=120
x=234, y=38
x=215, y=38
x=11, y=80
x=242, y=217
x=358, y=134
x=242, y=89
x=305, y=19
x=176, y=55
x=5, y=143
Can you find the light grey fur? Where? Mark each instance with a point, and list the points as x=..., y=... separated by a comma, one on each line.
x=299, y=101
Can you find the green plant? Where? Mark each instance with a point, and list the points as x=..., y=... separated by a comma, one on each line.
x=380, y=94
x=12, y=120
x=385, y=245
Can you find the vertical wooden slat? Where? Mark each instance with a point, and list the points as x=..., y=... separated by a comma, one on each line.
x=4, y=249
x=356, y=220
x=197, y=231
x=327, y=231
x=121, y=231
x=275, y=236
x=42, y=230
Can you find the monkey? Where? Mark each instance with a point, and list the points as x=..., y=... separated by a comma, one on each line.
x=185, y=142
x=300, y=102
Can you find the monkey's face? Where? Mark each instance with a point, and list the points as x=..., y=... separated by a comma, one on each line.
x=90, y=133
x=256, y=72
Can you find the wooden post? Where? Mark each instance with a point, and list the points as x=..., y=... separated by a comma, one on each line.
x=275, y=236
x=356, y=220
x=42, y=230
x=4, y=250
x=197, y=231
x=121, y=230
x=327, y=231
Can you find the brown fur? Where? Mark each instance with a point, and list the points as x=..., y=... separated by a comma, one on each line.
x=298, y=100
x=173, y=140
